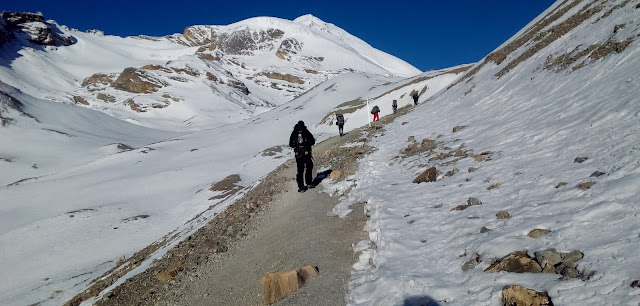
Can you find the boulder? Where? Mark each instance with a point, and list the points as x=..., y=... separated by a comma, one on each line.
x=471, y=263
x=514, y=295
x=580, y=159
x=428, y=175
x=458, y=128
x=597, y=174
x=538, y=232
x=548, y=257
x=517, y=262
x=277, y=285
x=503, y=215
x=587, y=185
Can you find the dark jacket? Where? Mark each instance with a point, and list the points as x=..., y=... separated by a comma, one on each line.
x=375, y=109
x=308, y=137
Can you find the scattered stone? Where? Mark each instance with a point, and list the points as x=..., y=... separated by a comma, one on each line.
x=517, y=262
x=503, y=215
x=561, y=184
x=170, y=273
x=473, y=169
x=572, y=256
x=124, y=147
x=120, y=261
x=538, y=232
x=494, y=186
x=484, y=229
x=597, y=174
x=428, y=175
x=406, y=215
x=635, y=283
x=618, y=27
x=412, y=139
x=580, y=160
x=479, y=158
x=550, y=257
x=473, y=217
x=459, y=128
x=587, y=185
x=277, y=285
x=405, y=122
x=473, y=201
x=471, y=263
x=514, y=295
x=437, y=206
x=451, y=172
x=459, y=153
x=423, y=240
x=411, y=221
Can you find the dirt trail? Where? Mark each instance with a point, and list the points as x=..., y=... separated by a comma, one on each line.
x=286, y=232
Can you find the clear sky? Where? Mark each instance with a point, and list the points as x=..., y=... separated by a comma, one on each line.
x=428, y=34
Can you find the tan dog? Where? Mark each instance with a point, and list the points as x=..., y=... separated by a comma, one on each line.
x=277, y=285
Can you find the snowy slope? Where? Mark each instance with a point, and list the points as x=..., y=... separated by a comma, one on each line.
x=208, y=76
x=564, y=87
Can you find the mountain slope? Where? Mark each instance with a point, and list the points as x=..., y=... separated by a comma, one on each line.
x=534, y=149
x=208, y=76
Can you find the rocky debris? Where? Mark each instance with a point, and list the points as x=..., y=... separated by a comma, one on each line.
x=277, y=285
x=226, y=187
x=516, y=262
x=81, y=100
x=585, y=186
x=272, y=151
x=106, y=98
x=635, y=283
x=34, y=28
x=617, y=27
x=450, y=173
x=459, y=128
x=479, y=158
x=283, y=77
x=239, y=86
x=239, y=42
x=484, y=229
x=429, y=175
x=136, y=80
x=580, y=159
x=473, y=169
x=124, y=147
x=470, y=202
x=561, y=184
x=503, y=215
x=538, y=232
x=99, y=78
x=471, y=263
x=170, y=273
x=546, y=261
x=515, y=295
x=494, y=186
x=415, y=148
x=289, y=47
x=597, y=174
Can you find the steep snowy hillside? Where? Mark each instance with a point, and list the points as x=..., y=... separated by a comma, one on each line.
x=208, y=76
x=529, y=163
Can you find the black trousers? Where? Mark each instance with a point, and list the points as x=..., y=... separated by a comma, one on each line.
x=340, y=129
x=305, y=169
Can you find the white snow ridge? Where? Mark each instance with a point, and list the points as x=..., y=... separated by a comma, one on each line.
x=109, y=144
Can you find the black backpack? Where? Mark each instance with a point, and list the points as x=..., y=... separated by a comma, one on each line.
x=340, y=119
x=300, y=149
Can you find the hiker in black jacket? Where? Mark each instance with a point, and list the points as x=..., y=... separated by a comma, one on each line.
x=415, y=97
x=340, y=124
x=301, y=141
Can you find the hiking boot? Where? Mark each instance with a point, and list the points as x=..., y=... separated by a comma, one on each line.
x=311, y=186
x=303, y=189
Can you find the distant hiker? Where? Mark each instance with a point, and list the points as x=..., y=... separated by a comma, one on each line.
x=375, y=110
x=394, y=105
x=301, y=141
x=340, y=123
x=415, y=97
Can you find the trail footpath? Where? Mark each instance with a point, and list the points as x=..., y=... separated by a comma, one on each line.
x=272, y=228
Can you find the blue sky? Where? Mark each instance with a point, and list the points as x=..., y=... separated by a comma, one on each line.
x=427, y=34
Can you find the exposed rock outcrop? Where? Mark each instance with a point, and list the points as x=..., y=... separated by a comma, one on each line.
x=34, y=28
x=136, y=80
x=514, y=295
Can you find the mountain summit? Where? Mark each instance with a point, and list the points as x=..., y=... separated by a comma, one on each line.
x=210, y=75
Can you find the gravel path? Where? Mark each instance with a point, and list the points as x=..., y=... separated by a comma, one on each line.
x=294, y=231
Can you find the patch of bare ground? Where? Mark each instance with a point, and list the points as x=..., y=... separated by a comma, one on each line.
x=344, y=108
x=272, y=151
x=226, y=187
x=593, y=52
x=283, y=77
x=425, y=78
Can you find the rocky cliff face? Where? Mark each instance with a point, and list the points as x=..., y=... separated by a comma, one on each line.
x=33, y=28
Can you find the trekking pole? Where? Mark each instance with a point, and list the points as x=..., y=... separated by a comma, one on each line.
x=368, y=112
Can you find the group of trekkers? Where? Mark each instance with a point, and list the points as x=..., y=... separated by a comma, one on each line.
x=301, y=140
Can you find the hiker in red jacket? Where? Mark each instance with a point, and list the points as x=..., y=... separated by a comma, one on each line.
x=375, y=112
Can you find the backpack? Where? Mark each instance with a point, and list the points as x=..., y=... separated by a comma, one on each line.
x=300, y=148
x=375, y=110
x=340, y=119
x=395, y=104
